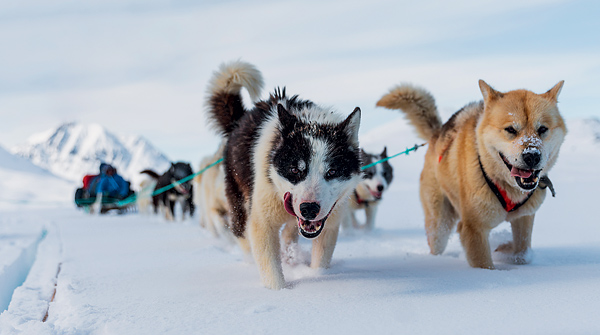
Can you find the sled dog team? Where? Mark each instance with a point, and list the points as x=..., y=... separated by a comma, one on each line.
x=293, y=167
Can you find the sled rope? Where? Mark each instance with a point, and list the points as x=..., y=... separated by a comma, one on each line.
x=190, y=177
x=183, y=180
x=170, y=186
x=405, y=152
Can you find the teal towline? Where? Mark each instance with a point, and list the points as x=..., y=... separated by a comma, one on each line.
x=190, y=177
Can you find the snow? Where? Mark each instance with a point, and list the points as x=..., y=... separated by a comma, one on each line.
x=134, y=274
x=24, y=184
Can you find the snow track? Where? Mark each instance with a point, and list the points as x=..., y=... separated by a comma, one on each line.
x=36, y=271
x=18, y=258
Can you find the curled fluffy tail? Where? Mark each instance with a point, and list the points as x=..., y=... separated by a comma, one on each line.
x=224, y=101
x=151, y=173
x=418, y=105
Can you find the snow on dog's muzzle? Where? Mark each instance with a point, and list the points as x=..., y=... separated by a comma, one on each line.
x=307, y=228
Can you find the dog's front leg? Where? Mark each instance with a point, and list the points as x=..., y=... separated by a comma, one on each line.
x=352, y=217
x=474, y=238
x=324, y=245
x=519, y=249
x=289, y=234
x=370, y=212
x=170, y=210
x=264, y=239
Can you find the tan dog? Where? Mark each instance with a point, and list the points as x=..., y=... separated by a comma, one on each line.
x=144, y=196
x=210, y=196
x=483, y=166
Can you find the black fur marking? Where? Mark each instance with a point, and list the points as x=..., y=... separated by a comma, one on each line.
x=225, y=111
x=366, y=159
x=343, y=156
x=388, y=171
x=238, y=163
x=343, y=160
x=291, y=148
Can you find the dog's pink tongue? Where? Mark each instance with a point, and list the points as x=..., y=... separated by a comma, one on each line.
x=516, y=172
x=287, y=203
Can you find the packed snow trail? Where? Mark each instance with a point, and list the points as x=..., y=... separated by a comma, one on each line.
x=140, y=275
x=134, y=274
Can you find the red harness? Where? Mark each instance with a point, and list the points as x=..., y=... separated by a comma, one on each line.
x=500, y=193
x=505, y=201
x=362, y=201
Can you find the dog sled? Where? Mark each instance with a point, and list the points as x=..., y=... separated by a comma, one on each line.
x=105, y=192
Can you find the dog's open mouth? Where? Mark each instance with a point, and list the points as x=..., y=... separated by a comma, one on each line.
x=526, y=179
x=308, y=229
x=376, y=195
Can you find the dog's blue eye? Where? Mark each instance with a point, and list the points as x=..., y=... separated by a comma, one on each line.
x=294, y=170
x=510, y=130
x=542, y=130
x=331, y=173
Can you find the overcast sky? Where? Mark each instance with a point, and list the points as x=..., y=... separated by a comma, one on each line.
x=141, y=67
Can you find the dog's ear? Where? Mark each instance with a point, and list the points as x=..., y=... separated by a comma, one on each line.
x=488, y=92
x=553, y=93
x=172, y=168
x=351, y=125
x=287, y=120
x=362, y=154
x=384, y=153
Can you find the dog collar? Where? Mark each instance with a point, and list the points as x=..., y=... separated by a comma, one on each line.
x=363, y=201
x=500, y=193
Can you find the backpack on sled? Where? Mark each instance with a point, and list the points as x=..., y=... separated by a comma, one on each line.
x=112, y=199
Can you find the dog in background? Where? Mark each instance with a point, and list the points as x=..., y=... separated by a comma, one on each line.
x=210, y=195
x=287, y=161
x=369, y=192
x=181, y=193
x=144, y=196
x=487, y=164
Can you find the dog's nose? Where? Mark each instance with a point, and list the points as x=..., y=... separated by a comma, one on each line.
x=380, y=188
x=309, y=210
x=532, y=158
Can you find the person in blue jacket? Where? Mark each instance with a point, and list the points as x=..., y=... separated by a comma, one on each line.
x=109, y=183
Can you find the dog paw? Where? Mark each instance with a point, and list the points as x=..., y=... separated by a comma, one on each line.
x=524, y=257
x=507, y=255
x=275, y=284
x=293, y=255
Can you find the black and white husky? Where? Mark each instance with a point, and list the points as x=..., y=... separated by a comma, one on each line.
x=287, y=161
x=182, y=193
x=369, y=192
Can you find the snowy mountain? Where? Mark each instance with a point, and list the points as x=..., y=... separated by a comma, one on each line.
x=73, y=150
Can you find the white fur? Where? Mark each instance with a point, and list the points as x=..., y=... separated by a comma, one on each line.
x=144, y=196
x=267, y=209
x=364, y=191
x=232, y=76
x=210, y=195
